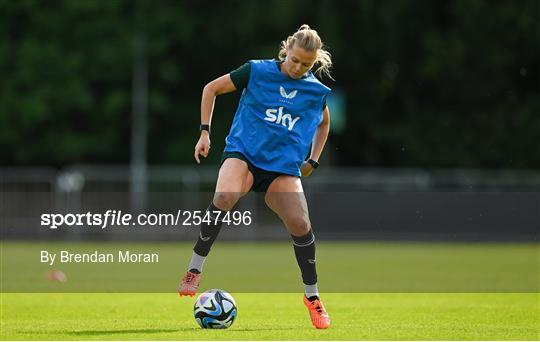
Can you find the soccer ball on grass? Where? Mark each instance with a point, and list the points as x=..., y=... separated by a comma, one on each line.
x=215, y=309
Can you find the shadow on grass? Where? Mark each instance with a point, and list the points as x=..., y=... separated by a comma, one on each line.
x=139, y=331
x=262, y=329
x=106, y=332
x=125, y=331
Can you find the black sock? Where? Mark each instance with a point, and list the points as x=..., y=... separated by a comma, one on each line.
x=209, y=232
x=304, y=249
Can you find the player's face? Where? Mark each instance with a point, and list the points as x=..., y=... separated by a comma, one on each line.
x=299, y=61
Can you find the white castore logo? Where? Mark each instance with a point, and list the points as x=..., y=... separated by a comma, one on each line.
x=204, y=238
x=283, y=119
x=290, y=95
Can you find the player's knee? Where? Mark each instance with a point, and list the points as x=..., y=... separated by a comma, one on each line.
x=299, y=225
x=225, y=200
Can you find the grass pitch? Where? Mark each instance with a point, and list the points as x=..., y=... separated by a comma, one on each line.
x=373, y=291
x=343, y=267
x=274, y=316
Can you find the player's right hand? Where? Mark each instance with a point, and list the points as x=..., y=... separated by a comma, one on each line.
x=203, y=146
x=306, y=170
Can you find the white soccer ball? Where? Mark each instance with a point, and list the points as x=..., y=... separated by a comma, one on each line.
x=215, y=309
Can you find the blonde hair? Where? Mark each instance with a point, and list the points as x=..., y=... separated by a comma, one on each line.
x=309, y=40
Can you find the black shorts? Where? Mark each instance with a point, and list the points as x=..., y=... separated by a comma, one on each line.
x=261, y=178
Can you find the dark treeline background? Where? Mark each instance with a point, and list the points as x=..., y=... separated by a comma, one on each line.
x=427, y=83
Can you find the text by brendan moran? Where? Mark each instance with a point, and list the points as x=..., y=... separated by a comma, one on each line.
x=98, y=257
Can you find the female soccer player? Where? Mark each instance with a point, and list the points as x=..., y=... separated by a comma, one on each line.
x=282, y=112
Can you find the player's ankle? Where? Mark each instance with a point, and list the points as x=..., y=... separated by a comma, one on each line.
x=312, y=298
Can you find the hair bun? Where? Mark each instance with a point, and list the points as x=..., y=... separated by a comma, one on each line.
x=304, y=27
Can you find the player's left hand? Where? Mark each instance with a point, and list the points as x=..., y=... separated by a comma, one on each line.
x=306, y=169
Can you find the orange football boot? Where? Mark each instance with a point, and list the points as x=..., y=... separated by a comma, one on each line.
x=189, y=284
x=318, y=314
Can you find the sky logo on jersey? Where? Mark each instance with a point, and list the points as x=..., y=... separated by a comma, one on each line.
x=284, y=94
x=283, y=119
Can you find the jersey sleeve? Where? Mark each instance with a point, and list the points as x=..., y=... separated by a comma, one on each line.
x=240, y=76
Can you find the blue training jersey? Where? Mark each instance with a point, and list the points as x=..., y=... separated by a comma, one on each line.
x=277, y=118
